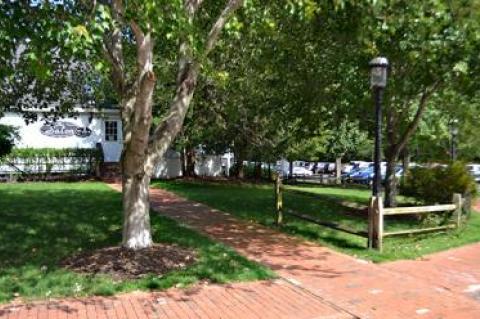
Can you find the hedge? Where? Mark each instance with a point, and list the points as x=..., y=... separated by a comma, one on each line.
x=46, y=162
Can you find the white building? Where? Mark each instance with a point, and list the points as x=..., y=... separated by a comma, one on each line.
x=104, y=127
x=84, y=131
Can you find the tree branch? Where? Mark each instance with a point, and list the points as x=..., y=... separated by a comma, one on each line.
x=191, y=7
x=218, y=26
x=187, y=75
x=113, y=53
x=412, y=127
x=144, y=48
x=113, y=49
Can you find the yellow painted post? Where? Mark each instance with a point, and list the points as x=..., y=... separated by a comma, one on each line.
x=279, y=198
x=375, y=223
x=457, y=214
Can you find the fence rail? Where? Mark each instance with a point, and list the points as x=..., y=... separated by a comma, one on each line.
x=376, y=214
x=417, y=231
x=418, y=209
x=329, y=224
x=323, y=179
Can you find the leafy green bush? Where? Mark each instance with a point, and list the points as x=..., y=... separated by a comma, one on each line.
x=34, y=153
x=46, y=161
x=7, y=137
x=250, y=171
x=438, y=184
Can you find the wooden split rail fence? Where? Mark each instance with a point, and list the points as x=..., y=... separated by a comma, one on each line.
x=376, y=214
x=280, y=212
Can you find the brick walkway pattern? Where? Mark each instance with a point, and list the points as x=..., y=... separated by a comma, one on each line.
x=267, y=299
x=315, y=282
x=364, y=289
x=476, y=206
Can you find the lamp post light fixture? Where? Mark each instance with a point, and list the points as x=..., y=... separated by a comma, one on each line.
x=378, y=82
x=453, y=142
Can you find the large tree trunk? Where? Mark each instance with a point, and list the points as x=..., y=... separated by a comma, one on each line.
x=141, y=151
x=338, y=170
x=239, y=169
x=315, y=168
x=190, y=163
x=405, y=163
x=239, y=156
x=391, y=183
x=137, y=118
x=258, y=170
x=397, y=141
x=136, y=210
x=183, y=164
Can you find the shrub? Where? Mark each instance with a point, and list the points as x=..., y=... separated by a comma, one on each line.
x=250, y=171
x=438, y=184
x=43, y=163
x=7, y=137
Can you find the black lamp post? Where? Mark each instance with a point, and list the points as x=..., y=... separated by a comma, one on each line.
x=378, y=81
x=454, y=134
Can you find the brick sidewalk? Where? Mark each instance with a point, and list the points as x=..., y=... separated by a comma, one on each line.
x=476, y=206
x=316, y=282
x=364, y=289
x=267, y=299
x=457, y=270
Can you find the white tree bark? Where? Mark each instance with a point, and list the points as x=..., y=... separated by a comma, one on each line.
x=135, y=179
x=136, y=208
x=142, y=151
x=338, y=170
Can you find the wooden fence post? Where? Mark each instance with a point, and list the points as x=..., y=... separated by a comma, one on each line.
x=279, y=198
x=375, y=223
x=457, y=214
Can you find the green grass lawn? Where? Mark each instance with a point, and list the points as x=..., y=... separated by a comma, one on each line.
x=42, y=223
x=256, y=203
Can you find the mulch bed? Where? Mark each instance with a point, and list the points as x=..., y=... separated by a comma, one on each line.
x=122, y=263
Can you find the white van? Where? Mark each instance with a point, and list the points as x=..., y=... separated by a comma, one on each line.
x=474, y=170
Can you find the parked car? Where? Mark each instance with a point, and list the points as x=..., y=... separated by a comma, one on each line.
x=346, y=177
x=330, y=168
x=361, y=164
x=320, y=168
x=365, y=176
x=309, y=165
x=302, y=171
x=347, y=168
x=354, y=174
x=474, y=170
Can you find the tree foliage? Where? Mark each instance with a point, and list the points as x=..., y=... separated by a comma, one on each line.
x=7, y=139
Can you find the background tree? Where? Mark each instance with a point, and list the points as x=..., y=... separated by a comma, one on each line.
x=346, y=137
x=427, y=43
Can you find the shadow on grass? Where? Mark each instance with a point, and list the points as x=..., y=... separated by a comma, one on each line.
x=328, y=236
x=42, y=223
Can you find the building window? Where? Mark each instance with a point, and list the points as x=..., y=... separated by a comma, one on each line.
x=111, y=131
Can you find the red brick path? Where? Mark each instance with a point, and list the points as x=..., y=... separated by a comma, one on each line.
x=476, y=206
x=363, y=289
x=275, y=299
x=316, y=282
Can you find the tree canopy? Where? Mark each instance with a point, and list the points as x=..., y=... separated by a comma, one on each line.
x=271, y=79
